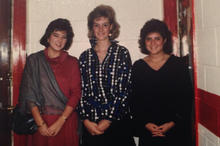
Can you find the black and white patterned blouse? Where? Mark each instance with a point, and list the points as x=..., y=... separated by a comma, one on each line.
x=105, y=85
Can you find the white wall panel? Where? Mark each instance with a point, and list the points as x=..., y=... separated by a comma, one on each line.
x=207, y=23
x=213, y=80
x=206, y=42
x=130, y=14
x=201, y=77
x=218, y=45
x=211, y=13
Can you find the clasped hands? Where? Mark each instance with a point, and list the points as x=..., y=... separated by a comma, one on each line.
x=159, y=131
x=53, y=129
x=96, y=128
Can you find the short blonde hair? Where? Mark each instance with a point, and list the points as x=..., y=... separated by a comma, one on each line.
x=107, y=12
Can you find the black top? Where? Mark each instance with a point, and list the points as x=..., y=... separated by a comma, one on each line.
x=160, y=96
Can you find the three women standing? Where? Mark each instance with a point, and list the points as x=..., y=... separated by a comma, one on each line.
x=161, y=88
x=106, y=72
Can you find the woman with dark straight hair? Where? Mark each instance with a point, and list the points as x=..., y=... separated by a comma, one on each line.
x=50, y=88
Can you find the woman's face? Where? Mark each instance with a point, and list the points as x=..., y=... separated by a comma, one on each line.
x=154, y=43
x=101, y=28
x=57, y=40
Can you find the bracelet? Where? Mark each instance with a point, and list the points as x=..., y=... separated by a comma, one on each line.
x=41, y=124
x=63, y=117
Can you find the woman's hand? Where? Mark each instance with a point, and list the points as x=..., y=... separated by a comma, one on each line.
x=166, y=126
x=92, y=127
x=42, y=126
x=154, y=129
x=43, y=129
x=103, y=125
x=56, y=126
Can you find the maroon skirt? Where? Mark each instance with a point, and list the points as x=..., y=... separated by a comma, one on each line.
x=67, y=136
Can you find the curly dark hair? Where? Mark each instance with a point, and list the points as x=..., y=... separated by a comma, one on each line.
x=155, y=25
x=59, y=24
x=107, y=12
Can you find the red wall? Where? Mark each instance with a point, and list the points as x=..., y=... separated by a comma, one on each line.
x=209, y=111
x=170, y=15
x=19, y=54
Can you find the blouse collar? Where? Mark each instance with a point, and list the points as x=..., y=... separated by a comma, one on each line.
x=57, y=59
x=93, y=42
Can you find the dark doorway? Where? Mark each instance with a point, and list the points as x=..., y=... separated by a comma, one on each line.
x=178, y=14
x=5, y=72
x=185, y=35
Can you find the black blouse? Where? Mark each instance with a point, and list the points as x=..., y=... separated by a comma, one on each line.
x=160, y=96
x=105, y=85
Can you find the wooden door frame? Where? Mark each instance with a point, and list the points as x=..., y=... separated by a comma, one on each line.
x=18, y=54
x=5, y=73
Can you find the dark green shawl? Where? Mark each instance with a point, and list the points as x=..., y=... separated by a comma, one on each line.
x=39, y=87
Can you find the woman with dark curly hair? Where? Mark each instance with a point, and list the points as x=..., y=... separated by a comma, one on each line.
x=161, y=90
x=106, y=72
x=51, y=88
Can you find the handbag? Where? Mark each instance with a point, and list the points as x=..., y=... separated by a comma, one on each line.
x=23, y=124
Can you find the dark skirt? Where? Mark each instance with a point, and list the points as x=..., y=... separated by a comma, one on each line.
x=177, y=136
x=118, y=134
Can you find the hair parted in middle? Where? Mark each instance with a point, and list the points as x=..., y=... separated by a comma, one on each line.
x=59, y=24
x=107, y=12
x=155, y=25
